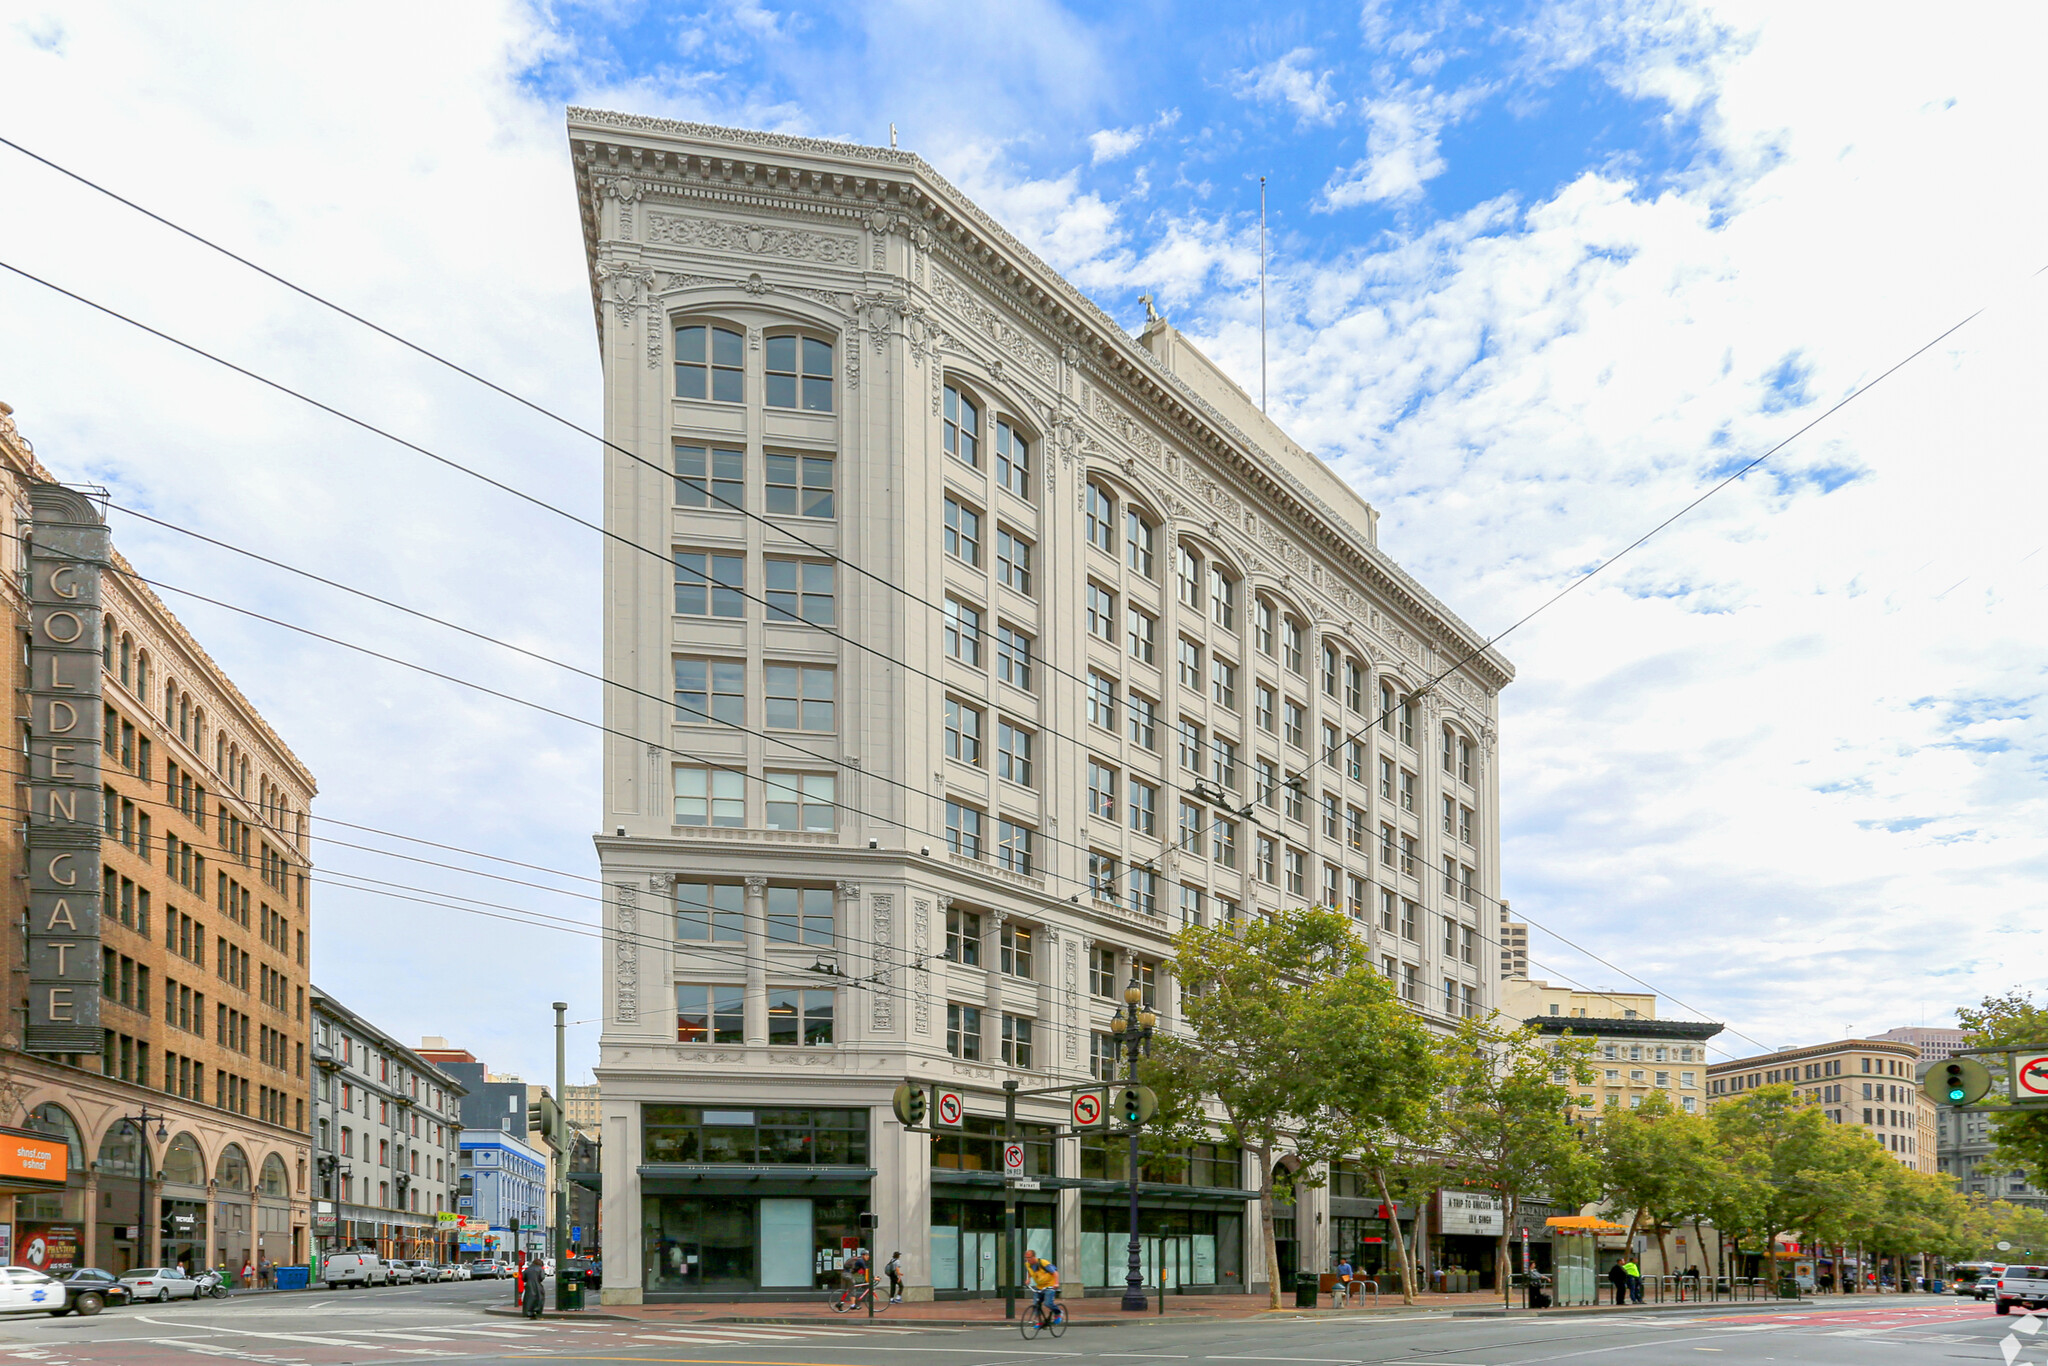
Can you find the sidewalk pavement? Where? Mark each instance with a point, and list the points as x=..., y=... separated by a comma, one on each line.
x=1100, y=1310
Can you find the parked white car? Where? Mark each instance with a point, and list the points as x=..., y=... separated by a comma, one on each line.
x=355, y=1269
x=160, y=1283
x=458, y=1271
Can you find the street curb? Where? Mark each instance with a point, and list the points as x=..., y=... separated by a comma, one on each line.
x=572, y=1315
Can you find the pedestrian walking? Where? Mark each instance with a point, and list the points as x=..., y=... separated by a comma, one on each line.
x=1617, y=1276
x=1635, y=1281
x=530, y=1300
x=893, y=1268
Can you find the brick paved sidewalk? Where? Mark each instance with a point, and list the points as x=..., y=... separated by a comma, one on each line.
x=980, y=1311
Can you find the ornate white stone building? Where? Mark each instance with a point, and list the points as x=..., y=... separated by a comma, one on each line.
x=962, y=645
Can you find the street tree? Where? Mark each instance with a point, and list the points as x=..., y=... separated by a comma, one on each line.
x=1658, y=1162
x=1302, y=1045
x=1787, y=1167
x=1505, y=1118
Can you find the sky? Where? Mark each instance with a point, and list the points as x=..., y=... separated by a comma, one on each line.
x=1538, y=276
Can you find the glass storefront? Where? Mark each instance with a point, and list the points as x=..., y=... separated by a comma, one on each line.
x=710, y=1244
x=967, y=1238
x=1177, y=1248
x=182, y=1228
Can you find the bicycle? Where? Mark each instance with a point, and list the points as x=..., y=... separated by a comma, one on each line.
x=1039, y=1319
x=850, y=1300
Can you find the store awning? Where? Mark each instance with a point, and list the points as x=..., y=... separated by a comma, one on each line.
x=1583, y=1223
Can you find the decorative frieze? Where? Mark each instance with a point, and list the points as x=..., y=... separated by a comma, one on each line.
x=626, y=955
x=754, y=239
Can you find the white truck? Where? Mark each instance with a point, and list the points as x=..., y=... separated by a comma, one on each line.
x=354, y=1269
x=2026, y=1286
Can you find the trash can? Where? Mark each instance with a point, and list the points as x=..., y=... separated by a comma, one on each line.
x=1788, y=1288
x=1305, y=1285
x=569, y=1287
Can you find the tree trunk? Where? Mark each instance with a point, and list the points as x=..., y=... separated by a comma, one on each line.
x=1501, y=1273
x=1663, y=1249
x=1266, y=1218
x=1400, y=1243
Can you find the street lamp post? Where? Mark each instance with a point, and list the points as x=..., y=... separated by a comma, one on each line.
x=1131, y=1034
x=142, y=1219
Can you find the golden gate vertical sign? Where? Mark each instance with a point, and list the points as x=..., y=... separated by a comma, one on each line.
x=68, y=548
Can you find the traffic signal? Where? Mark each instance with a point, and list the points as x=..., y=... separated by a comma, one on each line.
x=1958, y=1081
x=910, y=1105
x=1137, y=1104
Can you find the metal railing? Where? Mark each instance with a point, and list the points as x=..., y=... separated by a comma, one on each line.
x=1341, y=1294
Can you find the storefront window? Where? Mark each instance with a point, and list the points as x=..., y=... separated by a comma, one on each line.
x=966, y=1241
x=1214, y=1165
x=1184, y=1247
x=689, y=1133
x=714, y=1243
x=182, y=1164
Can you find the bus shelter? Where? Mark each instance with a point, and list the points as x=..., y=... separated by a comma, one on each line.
x=1575, y=1255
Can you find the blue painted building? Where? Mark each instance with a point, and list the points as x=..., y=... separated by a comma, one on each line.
x=504, y=1181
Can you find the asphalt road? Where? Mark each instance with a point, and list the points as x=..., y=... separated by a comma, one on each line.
x=447, y=1323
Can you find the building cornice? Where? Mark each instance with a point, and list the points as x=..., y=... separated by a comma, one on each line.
x=1818, y=1050
x=891, y=190
x=323, y=1003
x=1647, y=1029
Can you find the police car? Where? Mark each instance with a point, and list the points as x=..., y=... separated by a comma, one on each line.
x=26, y=1290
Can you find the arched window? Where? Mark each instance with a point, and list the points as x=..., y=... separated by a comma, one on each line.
x=1387, y=707
x=170, y=701
x=121, y=1151
x=273, y=1182
x=1013, y=460
x=1099, y=512
x=1331, y=658
x=1188, y=570
x=54, y=1120
x=231, y=1173
x=799, y=374
x=142, y=676
x=1354, y=685
x=1222, y=597
x=184, y=718
x=1265, y=627
x=183, y=1164
x=220, y=753
x=1140, y=540
x=107, y=644
x=963, y=428
x=127, y=655
x=710, y=363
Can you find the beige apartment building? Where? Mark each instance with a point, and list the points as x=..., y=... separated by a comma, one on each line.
x=1637, y=1054
x=160, y=871
x=1514, y=945
x=963, y=646
x=1868, y=1082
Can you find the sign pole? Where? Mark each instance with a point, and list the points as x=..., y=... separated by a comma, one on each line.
x=1010, y=1257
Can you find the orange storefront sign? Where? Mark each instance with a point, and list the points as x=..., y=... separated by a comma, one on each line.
x=29, y=1159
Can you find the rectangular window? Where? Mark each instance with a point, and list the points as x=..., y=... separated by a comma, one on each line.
x=710, y=1014
x=1450, y=816
x=1263, y=621
x=801, y=697
x=801, y=590
x=1223, y=684
x=1465, y=824
x=1016, y=949
x=963, y=830
x=1140, y=635
x=1014, y=847
x=711, y=912
x=710, y=796
x=1013, y=561
x=1103, y=881
x=711, y=691
x=1294, y=720
x=1192, y=911
x=1098, y=611
x=1101, y=701
x=1265, y=707
x=1411, y=919
x=1291, y=636
x=1191, y=824
x=1144, y=721
x=799, y=368
x=1354, y=828
x=1190, y=665
x=1269, y=853
x=962, y=428
x=963, y=1032
x=1144, y=808
x=800, y=485
x=1354, y=685
x=1354, y=760
x=1101, y=1056
x=1017, y=1041
x=1222, y=598
x=963, y=937
x=1013, y=754
x=1297, y=873
x=1333, y=744
x=1144, y=885
x=1101, y=790
x=1099, y=518
x=800, y=915
x=802, y=801
x=963, y=732
x=1013, y=657
x=1333, y=816
x=1223, y=763
x=1408, y=855
x=710, y=478
x=1013, y=460
x=1190, y=749
x=1330, y=663
x=1102, y=974
x=1407, y=790
x=1355, y=903
x=963, y=533
x=800, y=1018
x=710, y=585
x=1188, y=575
x=1268, y=782
x=962, y=632
x=1223, y=842
x=710, y=363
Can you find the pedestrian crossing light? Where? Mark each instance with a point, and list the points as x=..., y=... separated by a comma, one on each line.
x=1959, y=1081
x=910, y=1104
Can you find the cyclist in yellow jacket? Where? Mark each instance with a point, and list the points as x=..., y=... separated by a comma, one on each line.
x=1045, y=1281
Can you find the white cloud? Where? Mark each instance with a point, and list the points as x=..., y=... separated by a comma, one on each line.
x=1111, y=144
x=1292, y=81
x=1404, y=128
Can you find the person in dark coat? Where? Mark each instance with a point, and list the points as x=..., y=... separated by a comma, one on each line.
x=1618, y=1278
x=531, y=1294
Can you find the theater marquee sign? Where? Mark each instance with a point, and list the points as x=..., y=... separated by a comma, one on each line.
x=69, y=547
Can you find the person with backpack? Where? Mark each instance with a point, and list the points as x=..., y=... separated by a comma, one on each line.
x=893, y=1269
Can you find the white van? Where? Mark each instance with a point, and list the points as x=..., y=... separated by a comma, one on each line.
x=354, y=1268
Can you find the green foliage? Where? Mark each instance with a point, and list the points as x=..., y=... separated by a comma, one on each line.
x=1788, y=1167
x=2013, y=1019
x=1296, y=1038
x=1657, y=1161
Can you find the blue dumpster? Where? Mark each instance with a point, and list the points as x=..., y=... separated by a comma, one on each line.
x=291, y=1277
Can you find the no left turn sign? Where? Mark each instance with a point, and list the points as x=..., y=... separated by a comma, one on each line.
x=2030, y=1076
x=1087, y=1109
x=949, y=1109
